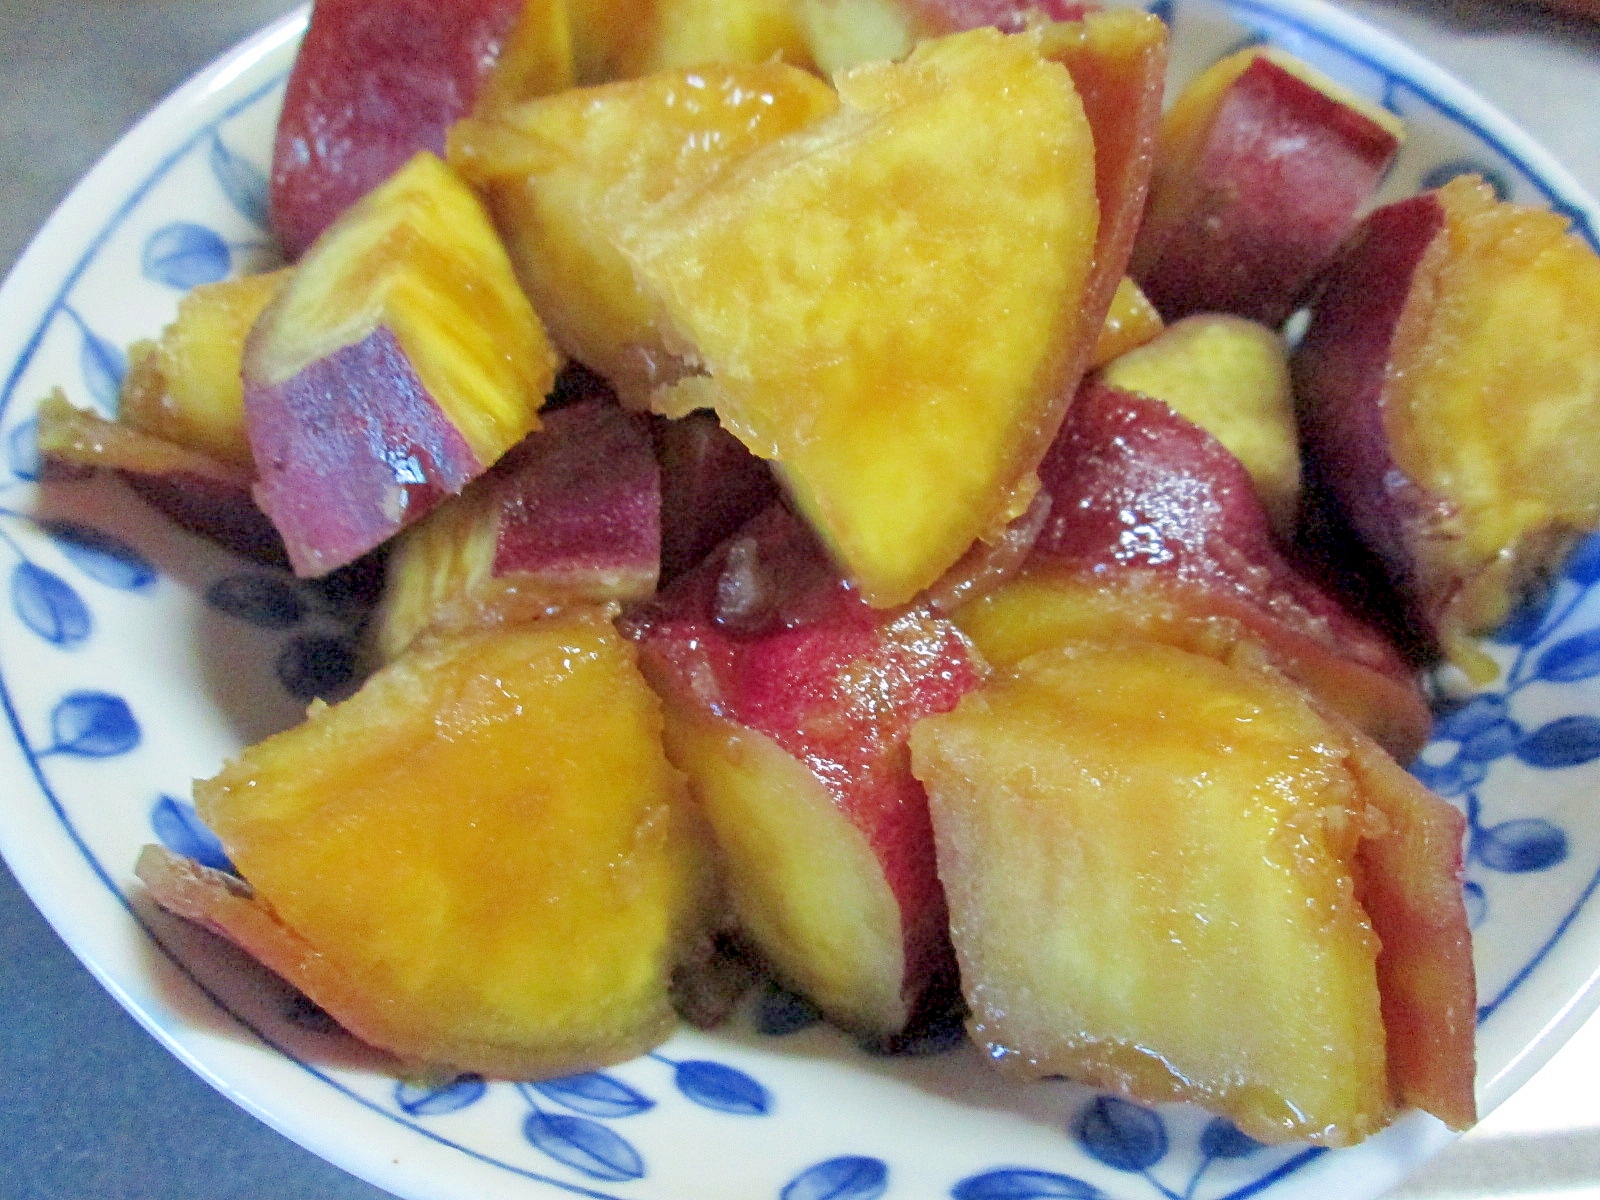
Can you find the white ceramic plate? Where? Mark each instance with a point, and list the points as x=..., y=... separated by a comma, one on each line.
x=134, y=658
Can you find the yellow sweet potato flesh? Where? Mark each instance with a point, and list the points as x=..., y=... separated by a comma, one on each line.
x=73, y=435
x=1130, y=322
x=440, y=576
x=565, y=176
x=803, y=883
x=1230, y=376
x=841, y=34
x=685, y=33
x=885, y=304
x=1499, y=344
x=1146, y=856
x=535, y=61
x=486, y=848
x=419, y=257
x=185, y=387
x=624, y=39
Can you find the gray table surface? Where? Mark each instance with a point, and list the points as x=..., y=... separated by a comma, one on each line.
x=91, y=1108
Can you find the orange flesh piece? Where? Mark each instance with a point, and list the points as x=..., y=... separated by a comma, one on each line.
x=1230, y=376
x=1410, y=884
x=567, y=175
x=904, y=418
x=419, y=257
x=71, y=434
x=803, y=881
x=486, y=848
x=1130, y=322
x=1146, y=855
x=186, y=387
x=1499, y=344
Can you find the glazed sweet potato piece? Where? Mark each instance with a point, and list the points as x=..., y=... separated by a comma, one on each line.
x=1150, y=858
x=185, y=387
x=401, y=361
x=572, y=515
x=1262, y=168
x=377, y=81
x=905, y=419
x=788, y=702
x=201, y=494
x=1450, y=400
x=1155, y=532
x=482, y=860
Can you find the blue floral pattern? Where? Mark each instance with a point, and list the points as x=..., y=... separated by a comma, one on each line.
x=600, y=1134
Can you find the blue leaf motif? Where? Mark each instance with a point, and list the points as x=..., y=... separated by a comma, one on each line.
x=1564, y=742
x=459, y=1093
x=184, y=255
x=583, y=1145
x=593, y=1094
x=1571, y=659
x=1491, y=742
x=103, y=366
x=1221, y=1138
x=1583, y=568
x=712, y=1085
x=851, y=1177
x=93, y=725
x=316, y=666
x=1470, y=719
x=1477, y=904
x=242, y=182
x=179, y=828
x=1162, y=9
x=265, y=601
x=1516, y=847
x=47, y=605
x=1121, y=1134
x=1019, y=1184
x=1523, y=625
x=22, y=450
x=101, y=556
x=1454, y=778
x=780, y=1012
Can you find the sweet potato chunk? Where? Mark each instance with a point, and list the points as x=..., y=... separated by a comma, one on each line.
x=1156, y=532
x=1147, y=857
x=1450, y=396
x=377, y=81
x=886, y=304
x=202, y=494
x=572, y=515
x=788, y=701
x=1262, y=166
x=484, y=852
x=400, y=362
x=186, y=387
x=565, y=175
x=1230, y=376
x=1130, y=322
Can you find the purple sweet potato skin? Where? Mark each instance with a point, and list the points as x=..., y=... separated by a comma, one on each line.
x=375, y=81
x=710, y=486
x=1340, y=371
x=1280, y=180
x=581, y=498
x=349, y=451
